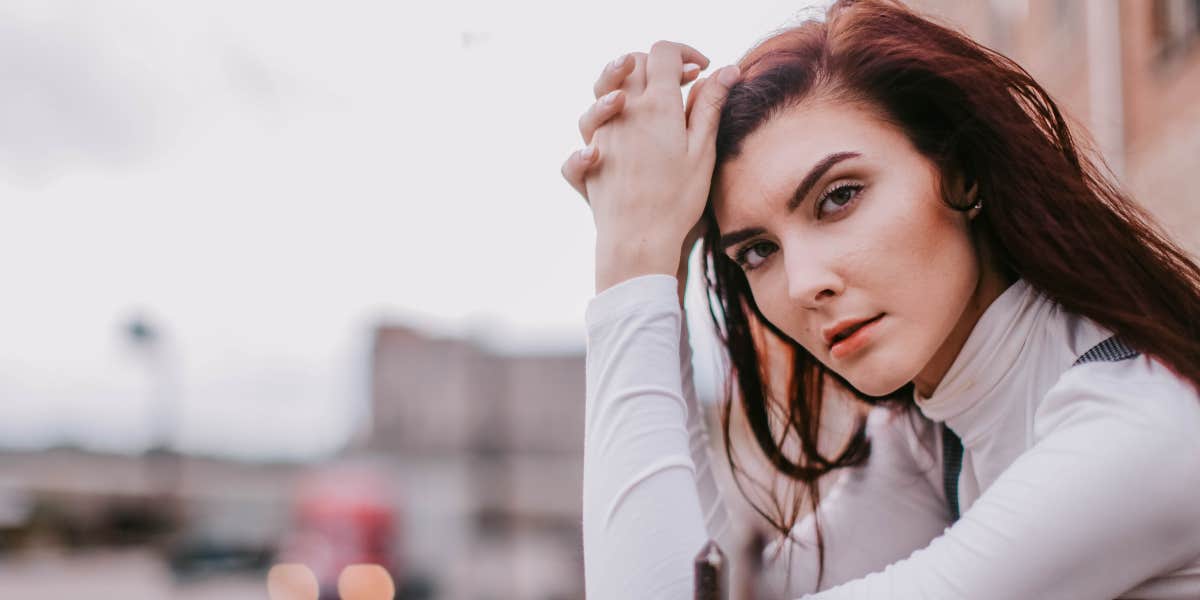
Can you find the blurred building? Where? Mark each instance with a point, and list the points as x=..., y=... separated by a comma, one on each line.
x=481, y=454
x=487, y=450
x=1128, y=71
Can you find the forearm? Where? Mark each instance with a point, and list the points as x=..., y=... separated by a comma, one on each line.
x=642, y=520
x=1035, y=533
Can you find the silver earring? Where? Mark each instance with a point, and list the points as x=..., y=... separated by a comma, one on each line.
x=978, y=204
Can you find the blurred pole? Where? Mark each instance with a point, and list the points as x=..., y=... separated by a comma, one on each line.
x=710, y=573
x=147, y=338
x=1107, y=107
x=163, y=461
x=748, y=571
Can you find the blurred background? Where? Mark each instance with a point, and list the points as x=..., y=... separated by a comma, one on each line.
x=301, y=282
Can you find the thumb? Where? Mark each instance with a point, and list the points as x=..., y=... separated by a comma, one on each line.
x=706, y=110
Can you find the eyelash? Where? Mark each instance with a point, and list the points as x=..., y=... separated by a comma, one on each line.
x=844, y=185
x=740, y=256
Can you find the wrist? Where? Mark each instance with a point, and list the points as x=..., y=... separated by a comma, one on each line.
x=619, y=260
x=681, y=273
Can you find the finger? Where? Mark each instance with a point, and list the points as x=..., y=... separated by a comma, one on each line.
x=613, y=75
x=691, y=98
x=635, y=82
x=575, y=168
x=599, y=113
x=666, y=60
x=706, y=111
x=615, y=72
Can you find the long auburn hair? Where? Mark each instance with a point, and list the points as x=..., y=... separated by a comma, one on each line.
x=1052, y=216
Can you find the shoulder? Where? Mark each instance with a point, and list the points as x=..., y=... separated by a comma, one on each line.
x=1135, y=392
x=1136, y=421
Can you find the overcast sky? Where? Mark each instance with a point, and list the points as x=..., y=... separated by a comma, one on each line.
x=266, y=181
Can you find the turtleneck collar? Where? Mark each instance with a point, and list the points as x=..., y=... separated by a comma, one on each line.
x=987, y=358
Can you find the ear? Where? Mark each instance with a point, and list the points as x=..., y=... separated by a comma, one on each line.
x=971, y=196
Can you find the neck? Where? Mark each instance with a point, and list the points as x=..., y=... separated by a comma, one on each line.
x=991, y=284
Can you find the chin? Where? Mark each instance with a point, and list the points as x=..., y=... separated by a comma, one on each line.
x=877, y=383
x=877, y=389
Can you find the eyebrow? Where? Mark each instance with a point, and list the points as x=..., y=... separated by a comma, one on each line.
x=814, y=175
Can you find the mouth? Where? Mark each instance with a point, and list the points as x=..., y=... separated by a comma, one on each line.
x=845, y=332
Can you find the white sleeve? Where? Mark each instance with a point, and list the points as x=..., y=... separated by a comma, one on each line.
x=1103, y=501
x=643, y=520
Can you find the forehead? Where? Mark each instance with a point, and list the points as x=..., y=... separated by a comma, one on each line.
x=777, y=155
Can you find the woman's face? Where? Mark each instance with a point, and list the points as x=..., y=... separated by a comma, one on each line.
x=837, y=221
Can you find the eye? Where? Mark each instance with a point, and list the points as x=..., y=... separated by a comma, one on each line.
x=744, y=255
x=837, y=199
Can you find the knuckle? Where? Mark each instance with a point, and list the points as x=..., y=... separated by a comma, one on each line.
x=660, y=104
x=572, y=171
x=616, y=63
x=607, y=105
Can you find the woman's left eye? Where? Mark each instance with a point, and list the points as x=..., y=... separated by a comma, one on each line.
x=837, y=199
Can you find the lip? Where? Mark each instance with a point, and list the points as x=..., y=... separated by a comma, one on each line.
x=855, y=341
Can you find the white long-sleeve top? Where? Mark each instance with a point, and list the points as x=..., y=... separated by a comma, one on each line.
x=1077, y=481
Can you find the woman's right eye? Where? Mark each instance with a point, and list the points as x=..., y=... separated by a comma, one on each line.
x=744, y=255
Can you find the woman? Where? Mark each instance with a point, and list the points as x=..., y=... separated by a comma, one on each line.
x=907, y=213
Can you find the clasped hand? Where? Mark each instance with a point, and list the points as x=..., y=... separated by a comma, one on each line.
x=648, y=165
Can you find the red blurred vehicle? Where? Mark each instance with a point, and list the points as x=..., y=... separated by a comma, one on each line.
x=341, y=516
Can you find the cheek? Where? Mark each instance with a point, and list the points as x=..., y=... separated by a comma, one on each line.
x=943, y=265
x=924, y=272
x=774, y=301
x=910, y=247
x=914, y=261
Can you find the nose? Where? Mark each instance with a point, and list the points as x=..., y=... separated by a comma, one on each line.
x=812, y=279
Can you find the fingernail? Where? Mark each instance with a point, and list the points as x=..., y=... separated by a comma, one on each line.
x=618, y=61
x=690, y=68
x=729, y=75
x=587, y=152
x=610, y=97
